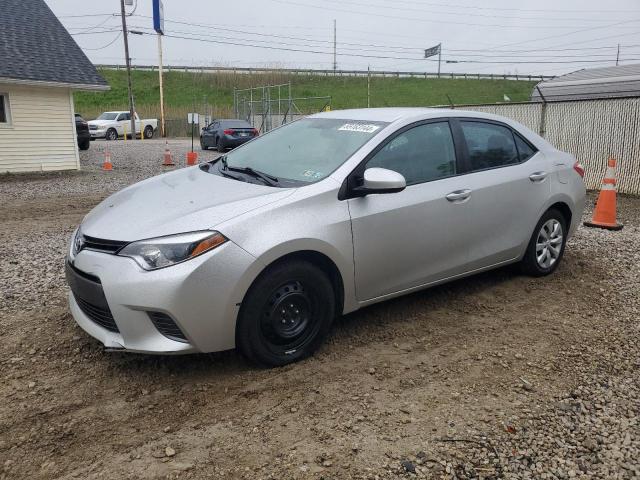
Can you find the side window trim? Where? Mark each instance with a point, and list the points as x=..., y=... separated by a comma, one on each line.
x=457, y=131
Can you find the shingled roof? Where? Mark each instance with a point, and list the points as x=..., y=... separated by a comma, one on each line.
x=36, y=48
x=592, y=83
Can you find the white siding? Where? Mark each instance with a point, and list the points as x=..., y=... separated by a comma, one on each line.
x=41, y=135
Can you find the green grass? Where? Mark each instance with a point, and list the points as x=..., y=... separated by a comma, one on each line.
x=184, y=90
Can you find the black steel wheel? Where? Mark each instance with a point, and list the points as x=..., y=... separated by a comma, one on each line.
x=148, y=131
x=286, y=314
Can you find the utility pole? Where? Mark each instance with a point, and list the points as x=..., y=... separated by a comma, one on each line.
x=162, y=131
x=128, y=60
x=368, y=86
x=335, y=61
x=618, y=55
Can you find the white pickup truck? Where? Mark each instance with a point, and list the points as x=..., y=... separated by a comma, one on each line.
x=112, y=125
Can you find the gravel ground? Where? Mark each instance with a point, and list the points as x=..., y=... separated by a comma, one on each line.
x=494, y=376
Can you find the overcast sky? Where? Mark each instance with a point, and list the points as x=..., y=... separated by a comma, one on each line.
x=491, y=36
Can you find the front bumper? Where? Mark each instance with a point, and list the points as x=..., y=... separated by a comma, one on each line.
x=201, y=295
x=100, y=133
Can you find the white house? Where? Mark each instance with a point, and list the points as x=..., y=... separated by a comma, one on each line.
x=40, y=68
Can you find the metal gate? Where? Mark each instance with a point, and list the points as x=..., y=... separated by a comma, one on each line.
x=270, y=106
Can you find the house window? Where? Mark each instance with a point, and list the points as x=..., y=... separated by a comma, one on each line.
x=5, y=117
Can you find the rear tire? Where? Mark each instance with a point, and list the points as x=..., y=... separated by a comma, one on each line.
x=546, y=246
x=219, y=148
x=148, y=131
x=286, y=314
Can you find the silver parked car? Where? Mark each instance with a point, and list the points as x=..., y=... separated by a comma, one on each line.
x=262, y=248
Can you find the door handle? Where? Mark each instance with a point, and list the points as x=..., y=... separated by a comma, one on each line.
x=458, y=195
x=538, y=176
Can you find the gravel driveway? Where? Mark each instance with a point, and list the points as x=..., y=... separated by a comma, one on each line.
x=494, y=376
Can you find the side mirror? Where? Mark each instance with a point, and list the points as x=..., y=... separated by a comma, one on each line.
x=378, y=180
x=382, y=180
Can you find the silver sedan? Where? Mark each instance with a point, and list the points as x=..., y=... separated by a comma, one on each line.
x=262, y=248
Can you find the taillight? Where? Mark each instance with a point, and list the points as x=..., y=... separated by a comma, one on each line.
x=579, y=168
x=255, y=132
x=229, y=131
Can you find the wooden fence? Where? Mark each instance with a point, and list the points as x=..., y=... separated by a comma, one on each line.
x=591, y=130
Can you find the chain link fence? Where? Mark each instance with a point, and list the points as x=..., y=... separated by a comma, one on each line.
x=591, y=130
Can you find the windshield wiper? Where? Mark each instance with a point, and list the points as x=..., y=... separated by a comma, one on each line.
x=265, y=177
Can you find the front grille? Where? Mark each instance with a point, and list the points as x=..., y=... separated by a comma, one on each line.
x=102, y=245
x=98, y=314
x=93, y=127
x=167, y=327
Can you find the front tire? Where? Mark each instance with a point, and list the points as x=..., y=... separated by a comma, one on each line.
x=84, y=145
x=286, y=314
x=111, y=134
x=202, y=145
x=546, y=246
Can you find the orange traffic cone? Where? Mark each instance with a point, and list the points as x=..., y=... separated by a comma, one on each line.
x=107, y=165
x=168, y=159
x=604, y=215
x=192, y=158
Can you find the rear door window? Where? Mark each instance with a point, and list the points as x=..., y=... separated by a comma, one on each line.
x=489, y=145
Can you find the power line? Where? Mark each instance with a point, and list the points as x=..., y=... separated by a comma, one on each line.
x=344, y=45
x=466, y=13
x=91, y=15
x=418, y=56
x=545, y=10
x=326, y=52
x=95, y=33
x=95, y=26
x=107, y=45
x=387, y=16
x=566, y=34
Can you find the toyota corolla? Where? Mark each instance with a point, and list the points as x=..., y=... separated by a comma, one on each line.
x=261, y=249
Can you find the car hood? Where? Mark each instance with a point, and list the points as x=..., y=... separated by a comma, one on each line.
x=101, y=123
x=186, y=200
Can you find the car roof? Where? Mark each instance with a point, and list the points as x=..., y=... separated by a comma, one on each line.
x=393, y=114
x=398, y=114
x=235, y=120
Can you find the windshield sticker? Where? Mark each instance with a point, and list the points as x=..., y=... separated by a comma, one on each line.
x=359, y=127
x=311, y=174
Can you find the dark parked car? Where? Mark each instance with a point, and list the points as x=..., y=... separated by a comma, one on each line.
x=82, y=131
x=223, y=134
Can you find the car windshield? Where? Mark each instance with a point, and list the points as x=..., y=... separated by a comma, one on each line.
x=108, y=116
x=305, y=151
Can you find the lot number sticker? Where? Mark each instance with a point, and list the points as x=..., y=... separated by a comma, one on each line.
x=359, y=127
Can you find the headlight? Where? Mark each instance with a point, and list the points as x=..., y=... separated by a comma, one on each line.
x=165, y=251
x=76, y=242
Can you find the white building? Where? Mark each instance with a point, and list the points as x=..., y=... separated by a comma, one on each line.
x=40, y=68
